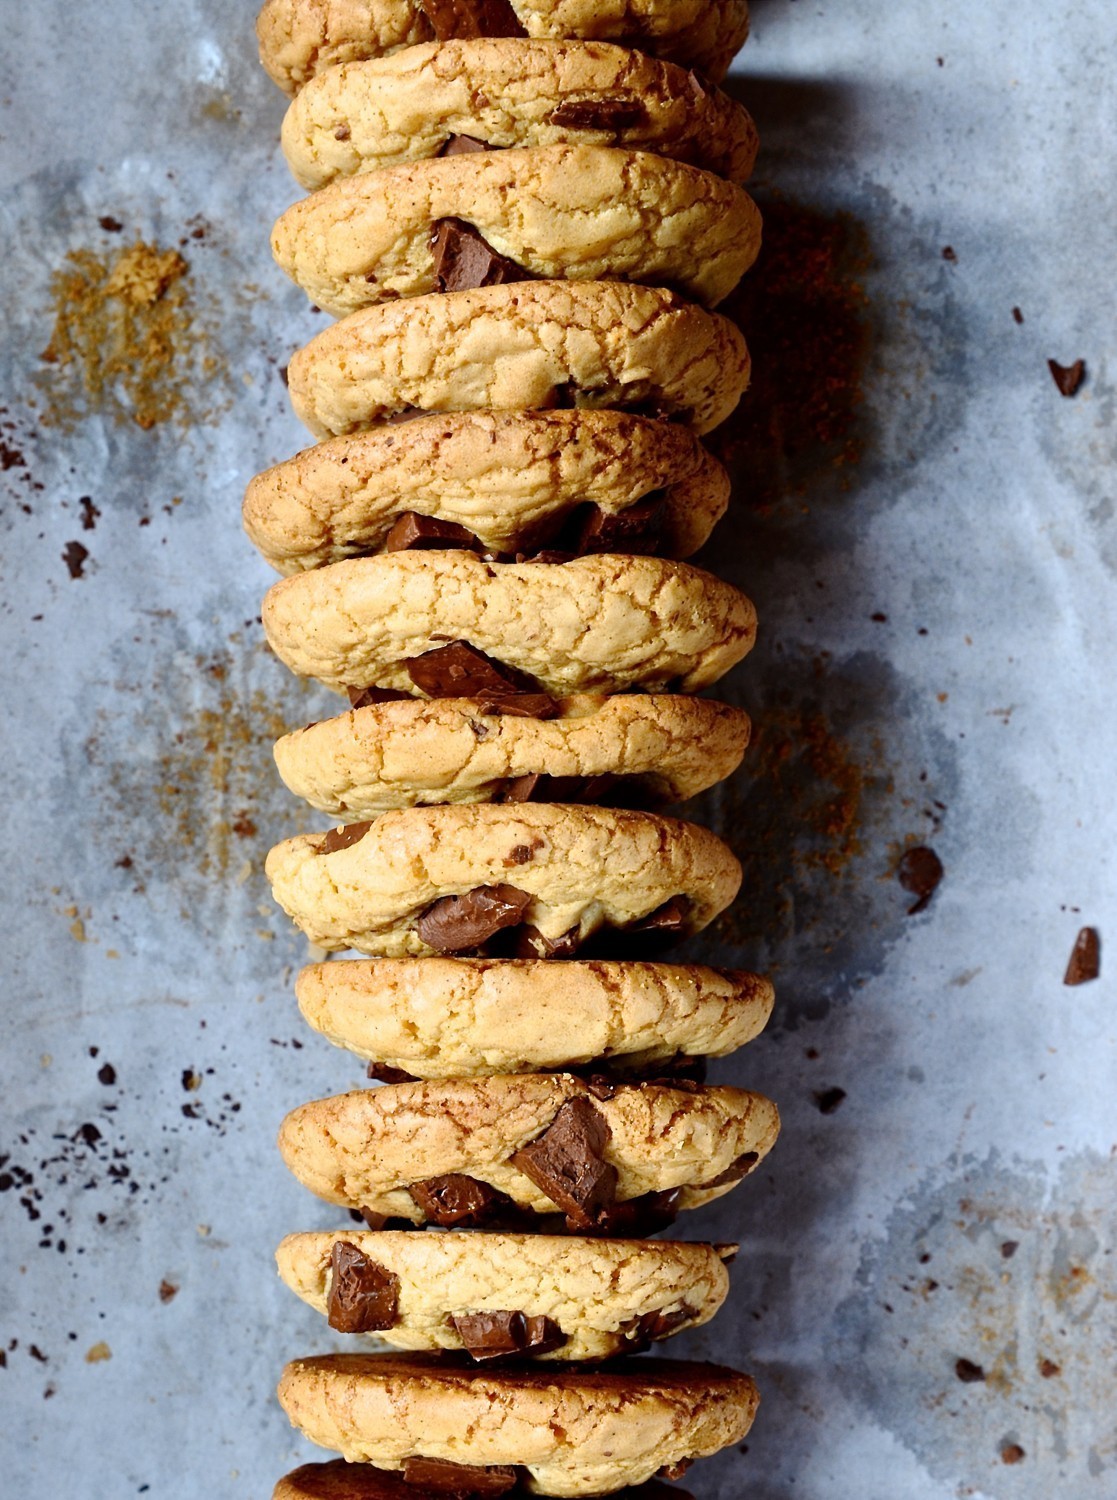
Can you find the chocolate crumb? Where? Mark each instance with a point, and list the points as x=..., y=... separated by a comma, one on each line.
x=1017, y=315
x=109, y=224
x=1084, y=963
x=919, y=872
x=106, y=1074
x=342, y=133
x=1012, y=1453
x=343, y=838
x=1009, y=1249
x=1067, y=377
x=167, y=1291
x=89, y=513
x=74, y=556
x=948, y=253
x=828, y=1100
x=1049, y=1369
x=968, y=1372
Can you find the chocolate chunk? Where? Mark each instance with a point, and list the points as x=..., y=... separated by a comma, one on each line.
x=383, y=1073
x=343, y=838
x=669, y=919
x=405, y=414
x=518, y=705
x=459, y=1480
x=968, y=1372
x=453, y=19
x=828, y=1100
x=919, y=872
x=617, y=112
x=463, y=145
x=464, y=259
x=1085, y=958
x=552, y=555
x=460, y=670
x=413, y=532
x=531, y=943
x=677, y=1469
x=498, y=1335
x=457, y=923
x=455, y=1201
x=652, y=1326
x=1067, y=377
x=522, y=788
x=740, y=1168
x=363, y=1295
x=366, y=697
x=637, y=531
x=566, y=1163
x=383, y=1221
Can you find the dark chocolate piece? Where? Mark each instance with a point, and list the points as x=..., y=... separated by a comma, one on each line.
x=463, y=145
x=363, y=1295
x=384, y=1073
x=567, y=1164
x=1067, y=377
x=919, y=872
x=967, y=1372
x=636, y=531
x=675, y=1470
x=464, y=259
x=650, y=1327
x=383, y=1221
x=740, y=1168
x=459, y=1480
x=616, y=112
x=499, y=1335
x=366, y=697
x=343, y=838
x=413, y=532
x=457, y=923
x=518, y=705
x=828, y=1100
x=530, y=943
x=454, y=19
x=455, y=1201
x=1085, y=958
x=459, y=670
x=668, y=919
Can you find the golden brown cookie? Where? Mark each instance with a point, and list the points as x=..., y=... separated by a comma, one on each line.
x=522, y=346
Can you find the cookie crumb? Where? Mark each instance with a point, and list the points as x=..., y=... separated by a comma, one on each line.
x=1067, y=377
x=1084, y=963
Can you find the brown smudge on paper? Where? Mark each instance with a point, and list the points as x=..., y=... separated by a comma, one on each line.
x=125, y=339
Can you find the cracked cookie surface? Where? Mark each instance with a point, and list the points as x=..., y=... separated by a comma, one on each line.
x=576, y=1432
x=366, y=1148
x=580, y=868
x=558, y=212
x=463, y=1017
x=604, y=1295
x=511, y=478
x=418, y=752
x=507, y=94
x=523, y=345
x=597, y=624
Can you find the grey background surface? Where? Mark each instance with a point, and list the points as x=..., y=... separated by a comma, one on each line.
x=904, y=454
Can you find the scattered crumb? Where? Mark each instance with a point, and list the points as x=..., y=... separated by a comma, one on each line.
x=1068, y=378
x=98, y=1354
x=1084, y=963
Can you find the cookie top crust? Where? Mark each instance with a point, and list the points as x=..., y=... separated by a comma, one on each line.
x=522, y=346
x=303, y=39
x=463, y=1017
x=576, y=1432
x=510, y=478
x=596, y=624
x=552, y=212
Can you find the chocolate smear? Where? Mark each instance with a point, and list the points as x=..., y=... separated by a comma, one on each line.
x=1085, y=958
x=457, y=923
x=343, y=838
x=363, y=1295
x=606, y=112
x=567, y=1164
x=367, y=697
x=413, y=532
x=919, y=872
x=463, y=145
x=1067, y=377
x=454, y=19
x=740, y=1168
x=500, y=1335
x=459, y=1480
x=459, y=670
x=464, y=259
x=455, y=1201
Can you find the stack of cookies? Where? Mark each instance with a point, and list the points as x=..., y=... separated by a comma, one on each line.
x=522, y=214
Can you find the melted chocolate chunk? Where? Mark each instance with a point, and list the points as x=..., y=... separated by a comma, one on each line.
x=384, y=1221
x=500, y=1335
x=459, y=1480
x=384, y=1073
x=566, y=1163
x=637, y=1218
x=454, y=19
x=650, y=1327
x=455, y=1201
x=607, y=790
x=1067, y=377
x=458, y=923
x=606, y=112
x=363, y=1295
x=413, y=532
x=1085, y=958
x=366, y=697
x=740, y=1168
x=636, y=531
x=343, y=838
x=464, y=259
x=463, y=145
x=459, y=670
x=518, y=705
x=531, y=943
x=920, y=871
x=669, y=919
